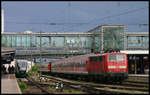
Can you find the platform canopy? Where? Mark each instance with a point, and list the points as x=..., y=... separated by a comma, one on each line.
x=135, y=51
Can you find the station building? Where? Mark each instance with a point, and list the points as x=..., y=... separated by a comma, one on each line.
x=102, y=37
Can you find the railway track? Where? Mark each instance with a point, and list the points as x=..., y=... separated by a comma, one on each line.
x=136, y=84
x=86, y=88
x=37, y=86
x=90, y=87
x=100, y=88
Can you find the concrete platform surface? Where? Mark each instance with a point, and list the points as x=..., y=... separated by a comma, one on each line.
x=138, y=75
x=9, y=85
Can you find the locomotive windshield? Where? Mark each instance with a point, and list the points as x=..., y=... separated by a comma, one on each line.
x=116, y=57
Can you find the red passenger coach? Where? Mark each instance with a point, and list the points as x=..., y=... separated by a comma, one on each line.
x=110, y=66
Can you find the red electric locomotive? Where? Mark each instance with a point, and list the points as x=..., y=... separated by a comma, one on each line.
x=110, y=66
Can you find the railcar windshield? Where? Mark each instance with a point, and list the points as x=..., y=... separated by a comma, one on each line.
x=22, y=63
x=117, y=58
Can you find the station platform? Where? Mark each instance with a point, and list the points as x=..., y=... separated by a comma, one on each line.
x=138, y=78
x=9, y=84
x=138, y=75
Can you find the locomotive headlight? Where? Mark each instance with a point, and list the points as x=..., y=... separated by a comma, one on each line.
x=122, y=67
x=111, y=67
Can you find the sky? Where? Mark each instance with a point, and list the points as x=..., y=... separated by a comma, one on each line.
x=74, y=16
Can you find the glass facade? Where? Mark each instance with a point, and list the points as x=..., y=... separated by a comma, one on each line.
x=57, y=42
x=113, y=37
x=47, y=42
x=106, y=37
x=4, y=41
x=145, y=42
x=13, y=41
x=97, y=42
x=137, y=42
x=78, y=42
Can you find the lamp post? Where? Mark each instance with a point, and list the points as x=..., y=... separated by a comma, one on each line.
x=31, y=50
x=40, y=52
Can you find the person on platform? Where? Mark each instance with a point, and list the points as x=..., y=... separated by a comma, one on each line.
x=3, y=69
x=12, y=69
x=9, y=69
x=146, y=69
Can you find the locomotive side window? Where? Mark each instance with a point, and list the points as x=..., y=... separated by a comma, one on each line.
x=96, y=59
x=93, y=59
x=100, y=59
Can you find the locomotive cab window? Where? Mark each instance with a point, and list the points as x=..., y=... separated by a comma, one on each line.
x=117, y=58
x=120, y=57
x=112, y=57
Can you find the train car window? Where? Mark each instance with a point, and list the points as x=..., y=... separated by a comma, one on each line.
x=65, y=65
x=75, y=65
x=84, y=63
x=78, y=64
x=69, y=64
x=81, y=64
x=72, y=64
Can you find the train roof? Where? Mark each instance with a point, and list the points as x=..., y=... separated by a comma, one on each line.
x=88, y=55
x=109, y=53
x=21, y=60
